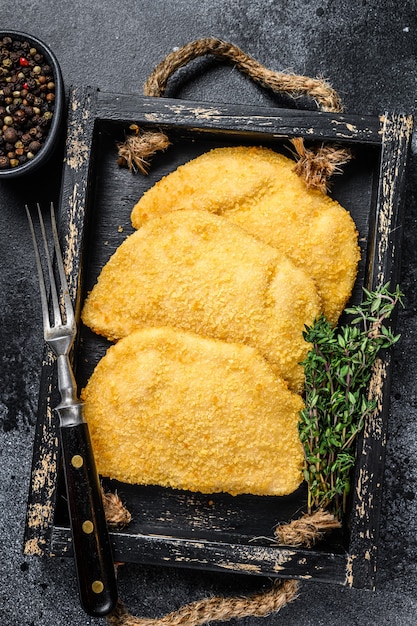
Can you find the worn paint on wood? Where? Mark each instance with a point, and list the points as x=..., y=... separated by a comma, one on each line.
x=218, y=532
x=396, y=136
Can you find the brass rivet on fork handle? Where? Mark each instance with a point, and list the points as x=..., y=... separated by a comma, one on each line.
x=92, y=550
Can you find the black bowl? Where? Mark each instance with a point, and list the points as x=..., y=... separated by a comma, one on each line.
x=53, y=135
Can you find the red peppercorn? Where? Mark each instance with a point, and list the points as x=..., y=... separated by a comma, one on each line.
x=27, y=90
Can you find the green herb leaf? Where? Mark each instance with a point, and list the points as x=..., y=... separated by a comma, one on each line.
x=337, y=372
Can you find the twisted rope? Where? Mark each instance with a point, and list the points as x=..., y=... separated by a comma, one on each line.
x=216, y=608
x=304, y=531
x=279, y=82
x=315, y=166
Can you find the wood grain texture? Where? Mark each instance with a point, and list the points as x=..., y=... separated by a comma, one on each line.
x=220, y=532
x=384, y=267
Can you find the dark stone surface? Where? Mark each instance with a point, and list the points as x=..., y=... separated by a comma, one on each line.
x=367, y=50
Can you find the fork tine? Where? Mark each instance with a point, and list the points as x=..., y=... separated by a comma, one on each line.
x=52, y=283
x=97, y=584
x=42, y=288
x=69, y=312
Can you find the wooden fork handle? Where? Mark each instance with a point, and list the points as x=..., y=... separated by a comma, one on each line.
x=91, y=542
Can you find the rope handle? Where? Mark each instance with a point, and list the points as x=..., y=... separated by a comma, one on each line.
x=317, y=89
x=305, y=531
x=316, y=166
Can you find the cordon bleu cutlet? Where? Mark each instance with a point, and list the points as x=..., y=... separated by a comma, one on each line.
x=257, y=188
x=171, y=408
x=200, y=272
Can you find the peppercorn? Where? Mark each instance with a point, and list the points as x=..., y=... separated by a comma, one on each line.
x=10, y=135
x=27, y=101
x=34, y=147
x=31, y=83
x=19, y=117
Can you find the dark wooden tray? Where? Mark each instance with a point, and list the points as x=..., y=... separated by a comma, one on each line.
x=217, y=532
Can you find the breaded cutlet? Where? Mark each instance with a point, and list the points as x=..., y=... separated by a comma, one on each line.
x=257, y=189
x=200, y=272
x=172, y=408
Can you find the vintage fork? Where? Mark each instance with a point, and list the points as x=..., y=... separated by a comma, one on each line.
x=91, y=543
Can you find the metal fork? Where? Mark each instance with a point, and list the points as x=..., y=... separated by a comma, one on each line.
x=91, y=543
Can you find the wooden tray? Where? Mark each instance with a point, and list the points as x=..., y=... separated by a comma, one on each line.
x=217, y=532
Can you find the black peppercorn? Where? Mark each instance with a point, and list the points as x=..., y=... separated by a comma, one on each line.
x=31, y=83
x=27, y=100
x=19, y=117
x=10, y=135
x=34, y=147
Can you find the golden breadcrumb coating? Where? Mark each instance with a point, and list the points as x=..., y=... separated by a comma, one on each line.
x=172, y=408
x=257, y=189
x=200, y=272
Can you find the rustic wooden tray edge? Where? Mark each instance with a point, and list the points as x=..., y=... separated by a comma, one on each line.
x=391, y=132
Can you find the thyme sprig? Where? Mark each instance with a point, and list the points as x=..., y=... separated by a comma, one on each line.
x=337, y=372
